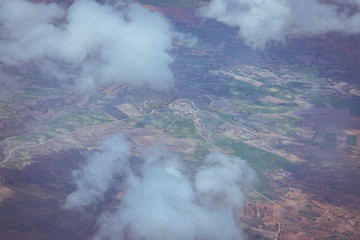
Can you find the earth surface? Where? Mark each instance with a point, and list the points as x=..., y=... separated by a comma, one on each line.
x=293, y=112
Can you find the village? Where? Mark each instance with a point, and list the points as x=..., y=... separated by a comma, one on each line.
x=185, y=108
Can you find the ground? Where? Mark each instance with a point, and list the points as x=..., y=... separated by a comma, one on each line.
x=296, y=123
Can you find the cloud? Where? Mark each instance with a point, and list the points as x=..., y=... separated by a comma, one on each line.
x=264, y=21
x=159, y=201
x=221, y=175
x=90, y=43
x=97, y=176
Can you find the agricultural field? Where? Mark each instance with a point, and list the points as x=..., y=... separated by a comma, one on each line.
x=351, y=140
x=291, y=111
x=43, y=92
x=115, y=112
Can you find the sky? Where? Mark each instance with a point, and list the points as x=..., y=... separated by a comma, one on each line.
x=159, y=201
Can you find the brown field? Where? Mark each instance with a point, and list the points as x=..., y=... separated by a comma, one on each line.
x=5, y=193
x=272, y=99
x=242, y=78
x=129, y=110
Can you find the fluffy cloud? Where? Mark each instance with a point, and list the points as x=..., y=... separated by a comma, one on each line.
x=263, y=21
x=92, y=43
x=221, y=175
x=163, y=204
x=95, y=178
x=160, y=202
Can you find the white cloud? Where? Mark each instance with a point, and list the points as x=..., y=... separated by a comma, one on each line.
x=159, y=201
x=263, y=21
x=163, y=204
x=96, y=177
x=221, y=176
x=99, y=44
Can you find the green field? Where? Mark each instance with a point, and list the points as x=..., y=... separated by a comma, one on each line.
x=330, y=138
x=315, y=136
x=288, y=126
x=247, y=109
x=115, y=112
x=232, y=90
x=282, y=92
x=351, y=140
x=309, y=213
x=280, y=124
x=23, y=138
x=5, y=107
x=93, y=99
x=184, y=128
x=258, y=159
x=158, y=121
x=71, y=122
x=299, y=86
x=236, y=88
x=43, y=92
x=336, y=102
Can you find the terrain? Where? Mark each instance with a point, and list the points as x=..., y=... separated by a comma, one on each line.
x=292, y=112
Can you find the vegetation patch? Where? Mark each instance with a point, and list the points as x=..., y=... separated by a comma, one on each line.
x=330, y=138
x=299, y=86
x=21, y=138
x=42, y=92
x=351, y=140
x=315, y=136
x=336, y=102
x=278, y=91
x=309, y=214
x=115, y=112
x=257, y=158
x=93, y=99
x=71, y=122
x=184, y=128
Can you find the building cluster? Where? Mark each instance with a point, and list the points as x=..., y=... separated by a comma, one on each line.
x=184, y=108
